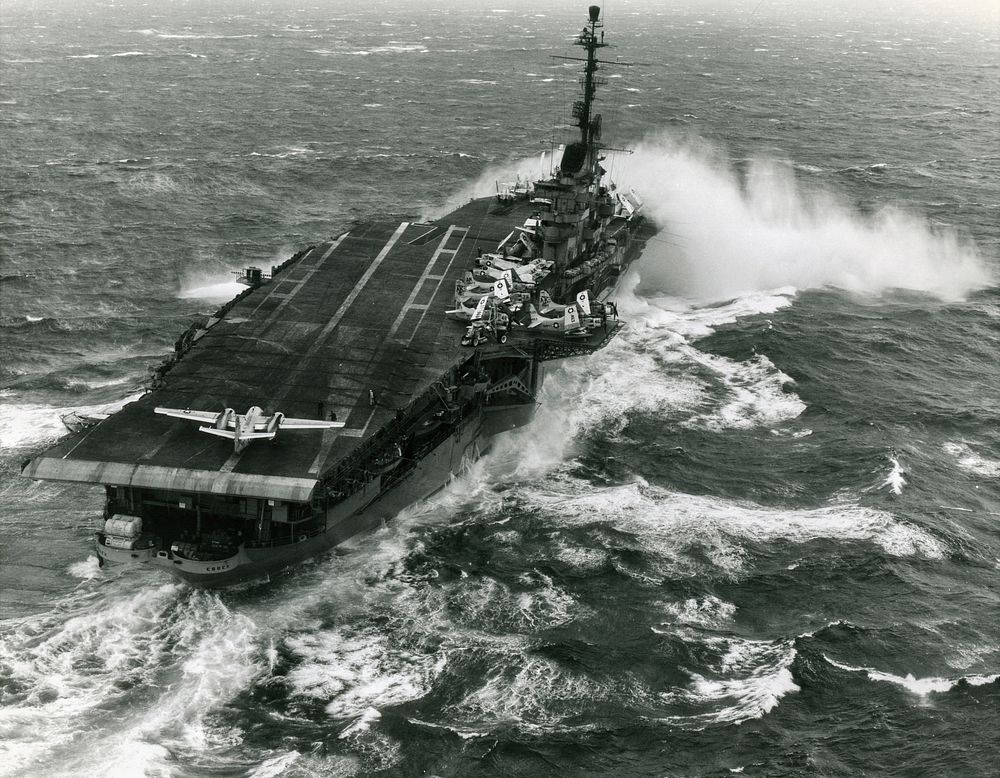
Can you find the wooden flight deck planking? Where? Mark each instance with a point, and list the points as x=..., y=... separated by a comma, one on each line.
x=358, y=316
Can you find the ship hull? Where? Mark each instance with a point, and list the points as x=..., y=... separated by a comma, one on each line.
x=364, y=512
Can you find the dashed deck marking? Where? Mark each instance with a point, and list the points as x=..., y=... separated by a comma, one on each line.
x=288, y=296
x=427, y=276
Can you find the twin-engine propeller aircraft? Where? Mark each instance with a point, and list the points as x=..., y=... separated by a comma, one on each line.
x=244, y=428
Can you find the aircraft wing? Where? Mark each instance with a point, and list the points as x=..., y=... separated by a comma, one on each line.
x=308, y=424
x=230, y=434
x=202, y=417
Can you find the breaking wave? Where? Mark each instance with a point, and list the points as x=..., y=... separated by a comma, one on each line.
x=972, y=462
x=746, y=682
x=895, y=480
x=675, y=531
x=918, y=686
x=730, y=233
x=28, y=424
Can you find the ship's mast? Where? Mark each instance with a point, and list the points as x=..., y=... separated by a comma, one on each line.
x=591, y=38
x=590, y=129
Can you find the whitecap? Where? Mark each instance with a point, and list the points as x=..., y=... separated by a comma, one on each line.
x=490, y=605
x=362, y=723
x=211, y=654
x=355, y=670
x=707, y=612
x=87, y=569
x=755, y=393
x=918, y=686
x=119, y=642
x=972, y=462
x=670, y=525
x=534, y=694
x=275, y=766
x=895, y=480
x=749, y=681
x=790, y=433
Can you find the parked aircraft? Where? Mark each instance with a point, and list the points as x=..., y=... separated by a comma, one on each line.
x=244, y=428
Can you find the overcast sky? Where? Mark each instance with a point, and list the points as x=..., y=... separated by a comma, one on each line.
x=985, y=13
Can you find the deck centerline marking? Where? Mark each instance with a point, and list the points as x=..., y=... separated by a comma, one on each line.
x=420, y=281
x=301, y=283
x=330, y=437
x=359, y=286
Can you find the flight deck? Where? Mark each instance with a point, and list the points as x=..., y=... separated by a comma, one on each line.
x=355, y=327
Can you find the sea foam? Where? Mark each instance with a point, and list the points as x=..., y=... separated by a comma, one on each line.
x=669, y=526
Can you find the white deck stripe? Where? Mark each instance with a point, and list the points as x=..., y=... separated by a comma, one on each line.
x=331, y=435
x=360, y=285
x=420, y=282
x=299, y=284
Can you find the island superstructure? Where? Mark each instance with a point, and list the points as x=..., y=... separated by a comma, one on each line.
x=361, y=374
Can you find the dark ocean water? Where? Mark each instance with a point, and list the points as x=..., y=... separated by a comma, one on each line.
x=758, y=534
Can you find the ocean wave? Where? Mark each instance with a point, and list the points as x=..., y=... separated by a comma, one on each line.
x=918, y=686
x=192, y=35
x=640, y=297
x=708, y=612
x=28, y=424
x=754, y=393
x=88, y=323
x=748, y=682
x=536, y=695
x=150, y=182
x=676, y=530
x=131, y=54
x=972, y=462
x=895, y=480
x=652, y=370
x=356, y=670
x=185, y=648
x=487, y=604
x=87, y=570
x=55, y=672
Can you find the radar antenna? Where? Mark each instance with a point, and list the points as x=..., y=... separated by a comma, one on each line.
x=591, y=38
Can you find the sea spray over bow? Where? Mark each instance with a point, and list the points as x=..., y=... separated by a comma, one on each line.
x=733, y=231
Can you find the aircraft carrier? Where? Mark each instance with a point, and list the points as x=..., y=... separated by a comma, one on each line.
x=358, y=376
